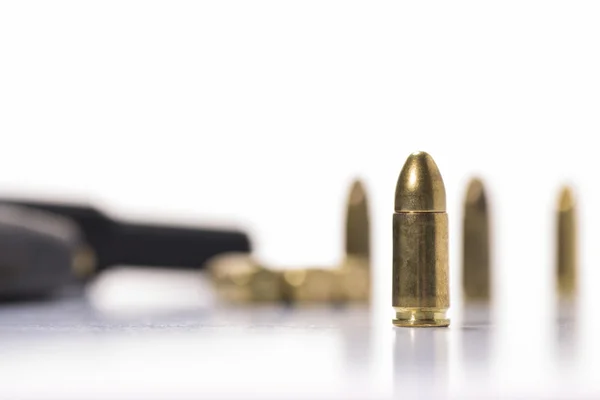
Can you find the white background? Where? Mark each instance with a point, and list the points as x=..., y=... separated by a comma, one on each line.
x=259, y=114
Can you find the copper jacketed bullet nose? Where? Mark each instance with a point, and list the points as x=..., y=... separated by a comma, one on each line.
x=476, y=244
x=566, y=245
x=420, y=245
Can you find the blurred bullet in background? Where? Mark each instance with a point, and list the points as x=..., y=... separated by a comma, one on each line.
x=566, y=246
x=357, y=233
x=240, y=278
x=476, y=274
x=312, y=285
x=355, y=271
x=476, y=244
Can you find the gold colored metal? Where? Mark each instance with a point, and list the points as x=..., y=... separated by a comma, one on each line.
x=355, y=280
x=357, y=223
x=476, y=245
x=238, y=278
x=312, y=285
x=566, y=244
x=420, y=245
x=349, y=282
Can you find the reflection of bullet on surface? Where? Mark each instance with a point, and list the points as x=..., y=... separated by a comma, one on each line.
x=420, y=245
x=476, y=245
x=566, y=245
x=475, y=354
x=421, y=356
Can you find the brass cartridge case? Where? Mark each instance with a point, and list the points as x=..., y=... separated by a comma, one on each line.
x=238, y=278
x=566, y=246
x=476, y=245
x=312, y=285
x=355, y=270
x=357, y=232
x=355, y=280
x=420, y=246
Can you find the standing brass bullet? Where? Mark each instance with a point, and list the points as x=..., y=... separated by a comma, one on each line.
x=355, y=271
x=420, y=245
x=566, y=244
x=476, y=245
x=357, y=224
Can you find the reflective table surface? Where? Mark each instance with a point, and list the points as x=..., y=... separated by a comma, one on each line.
x=71, y=348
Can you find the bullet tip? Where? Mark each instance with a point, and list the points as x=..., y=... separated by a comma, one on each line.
x=476, y=194
x=420, y=186
x=566, y=199
x=357, y=192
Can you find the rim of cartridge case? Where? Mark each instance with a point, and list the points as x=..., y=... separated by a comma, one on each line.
x=421, y=212
x=420, y=317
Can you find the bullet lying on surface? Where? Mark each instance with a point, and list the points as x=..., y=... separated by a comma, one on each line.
x=317, y=285
x=420, y=245
x=116, y=242
x=240, y=278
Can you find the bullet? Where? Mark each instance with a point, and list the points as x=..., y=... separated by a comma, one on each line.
x=350, y=282
x=357, y=224
x=476, y=245
x=235, y=276
x=420, y=245
x=354, y=274
x=354, y=278
x=566, y=245
x=238, y=278
x=312, y=285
